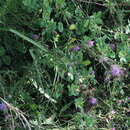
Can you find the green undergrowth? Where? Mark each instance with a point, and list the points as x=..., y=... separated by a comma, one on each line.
x=56, y=55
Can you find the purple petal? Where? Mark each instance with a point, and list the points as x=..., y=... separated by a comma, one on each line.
x=76, y=48
x=92, y=101
x=116, y=70
x=91, y=43
x=35, y=36
x=3, y=107
x=113, y=129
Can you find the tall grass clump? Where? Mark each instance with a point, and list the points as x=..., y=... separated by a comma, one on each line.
x=64, y=64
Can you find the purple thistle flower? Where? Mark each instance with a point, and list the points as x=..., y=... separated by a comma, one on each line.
x=91, y=43
x=76, y=48
x=35, y=36
x=113, y=129
x=116, y=70
x=92, y=101
x=112, y=46
x=3, y=107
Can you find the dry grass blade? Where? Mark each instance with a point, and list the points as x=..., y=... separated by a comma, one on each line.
x=19, y=113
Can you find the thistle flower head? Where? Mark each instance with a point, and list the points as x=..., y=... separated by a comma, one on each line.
x=112, y=46
x=91, y=43
x=76, y=48
x=92, y=101
x=3, y=107
x=35, y=36
x=116, y=71
x=113, y=129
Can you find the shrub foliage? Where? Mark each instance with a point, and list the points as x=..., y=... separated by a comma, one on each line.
x=64, y=64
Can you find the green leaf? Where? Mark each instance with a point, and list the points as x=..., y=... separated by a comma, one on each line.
x=32, y=4
x=72, y=27
x=60, y=27
x=79, y=102
x=6, y=60
x=2, y=51
x=60, y=3
x=86, y=62
x=73, y=90
x=90, y=121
